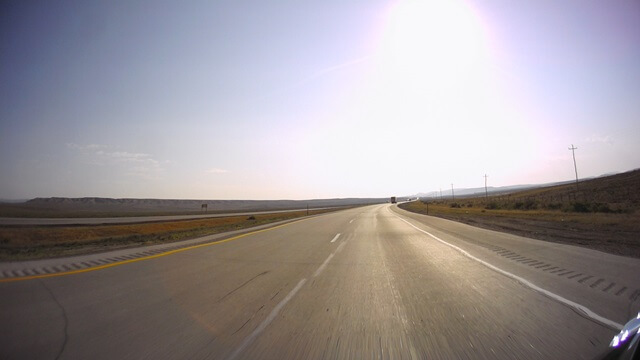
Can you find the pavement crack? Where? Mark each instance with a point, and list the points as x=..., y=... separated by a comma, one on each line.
x=249, y=319
x=64, y=317
x=243, y=284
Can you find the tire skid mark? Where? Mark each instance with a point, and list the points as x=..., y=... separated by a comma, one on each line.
x=249, y=319
x=64, y=317
x=242, y=285
x=248, y=340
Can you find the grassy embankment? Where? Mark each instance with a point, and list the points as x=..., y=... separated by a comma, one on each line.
x=602, y=215
x=33, y=242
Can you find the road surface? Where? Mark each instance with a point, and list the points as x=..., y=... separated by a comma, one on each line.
x=370, y=282
x=132, y=219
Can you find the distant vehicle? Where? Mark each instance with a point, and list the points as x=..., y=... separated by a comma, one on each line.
x=393, y=200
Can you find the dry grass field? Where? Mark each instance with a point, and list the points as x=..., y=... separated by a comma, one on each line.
x=32, y=242
x=602, y=214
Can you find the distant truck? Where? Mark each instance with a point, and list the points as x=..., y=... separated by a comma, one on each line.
x=393, y=200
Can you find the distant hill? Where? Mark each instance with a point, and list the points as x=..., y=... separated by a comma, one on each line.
x=616, y=193
x=12, y=201
x=622, y=188
x=504, y=190
x=491, y=190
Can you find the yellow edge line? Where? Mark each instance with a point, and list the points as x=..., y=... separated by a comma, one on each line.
x=171, y=252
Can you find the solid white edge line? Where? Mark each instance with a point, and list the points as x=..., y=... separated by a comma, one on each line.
x=267, y=321
x=336, y=238
x=581, y=308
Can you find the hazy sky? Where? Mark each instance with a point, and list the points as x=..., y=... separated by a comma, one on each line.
x=312, y=99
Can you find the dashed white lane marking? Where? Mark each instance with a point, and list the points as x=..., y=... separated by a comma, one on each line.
x=324, y=264
x=335, y=238
x=580, y=308
x=281, y=304
x=267, y=321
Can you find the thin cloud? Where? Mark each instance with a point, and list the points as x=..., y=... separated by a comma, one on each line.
x=217, y=171
x=136, y=164
x=333, y=68
x=599, y=139
x=127, y=156
x=89, y=147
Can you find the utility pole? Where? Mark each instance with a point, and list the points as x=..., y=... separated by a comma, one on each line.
x=307, y=209
x=453, y=196
x=486, y=194
x=575, y=167
x=441, y=194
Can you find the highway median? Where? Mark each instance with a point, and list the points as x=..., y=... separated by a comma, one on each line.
x=39, y=242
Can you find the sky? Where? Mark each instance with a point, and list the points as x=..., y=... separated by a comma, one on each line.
x=312, y=99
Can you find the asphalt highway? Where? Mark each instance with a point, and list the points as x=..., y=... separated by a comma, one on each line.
x=364, y=283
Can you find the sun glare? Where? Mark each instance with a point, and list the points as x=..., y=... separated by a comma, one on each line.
x=432, y=67
x=435, y=76
x=432, y=41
